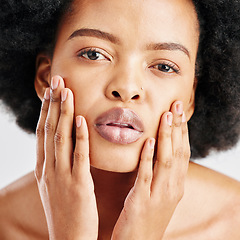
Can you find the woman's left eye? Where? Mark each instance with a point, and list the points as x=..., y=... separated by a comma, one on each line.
x=166, y=68
x=91, y=54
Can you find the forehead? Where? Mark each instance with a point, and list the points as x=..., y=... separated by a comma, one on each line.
x=139, y=21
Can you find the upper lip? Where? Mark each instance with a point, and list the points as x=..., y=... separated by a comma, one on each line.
x=122, y=117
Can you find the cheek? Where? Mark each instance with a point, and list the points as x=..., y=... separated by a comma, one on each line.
x=85, y=85
x=170, y=92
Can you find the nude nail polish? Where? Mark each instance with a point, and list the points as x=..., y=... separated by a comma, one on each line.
x=179, y=108
x=78, y=121
x=64, y=95
x=54, y=83
x=169, y=119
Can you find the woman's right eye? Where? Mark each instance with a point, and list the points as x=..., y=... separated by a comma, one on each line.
x=92, y=54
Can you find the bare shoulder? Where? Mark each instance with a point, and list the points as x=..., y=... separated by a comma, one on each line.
x=21, y=212
x=210, y=208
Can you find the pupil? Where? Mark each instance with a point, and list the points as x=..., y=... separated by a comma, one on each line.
x=92, y=55
x=163, y=68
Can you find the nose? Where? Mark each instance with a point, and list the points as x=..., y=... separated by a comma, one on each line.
x=126, y=86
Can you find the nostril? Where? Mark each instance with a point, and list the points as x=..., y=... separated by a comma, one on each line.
x=135, y=97
x=116, y=94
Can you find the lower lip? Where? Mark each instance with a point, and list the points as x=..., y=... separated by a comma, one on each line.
x=117, y=134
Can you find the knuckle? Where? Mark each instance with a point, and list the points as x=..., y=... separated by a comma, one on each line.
x=39, y=131
x=79, y=157
x=177, y=123
x=146, y=178
x=66, y=112
x=81, y=137
x=166, y=134
x=167, y=163
x=59, y=138
x=178, y=153
x=54, y=98
x=44, y=107
x=49, y=127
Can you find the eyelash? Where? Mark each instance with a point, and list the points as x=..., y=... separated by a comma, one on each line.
x=169, y=65
x=91, y=50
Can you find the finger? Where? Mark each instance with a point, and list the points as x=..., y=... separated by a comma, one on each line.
x=164, y=157
x=186, y=145
x=180, y=143
x=81, y=164
x=143, y=181
x=40, y=134
x=57, y=85
x=63, y=136
x=177, y=110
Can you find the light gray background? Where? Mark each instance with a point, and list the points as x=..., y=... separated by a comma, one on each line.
x=17, y=153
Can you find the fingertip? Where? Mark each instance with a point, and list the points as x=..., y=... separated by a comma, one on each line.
x=81, y=121
x=151, y=143
x=78, y=121
x=64, y=94
x=47, y=94
x=179, y=107
x=56, y=81
x=169, y=118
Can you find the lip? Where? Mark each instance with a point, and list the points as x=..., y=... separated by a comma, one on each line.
x=119, y=125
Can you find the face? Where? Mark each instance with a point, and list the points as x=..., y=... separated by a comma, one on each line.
x=126, y=63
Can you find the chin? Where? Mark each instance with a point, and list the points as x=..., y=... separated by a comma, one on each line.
x=118, y=158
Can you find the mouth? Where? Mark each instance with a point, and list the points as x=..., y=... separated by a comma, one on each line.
x=119, y=125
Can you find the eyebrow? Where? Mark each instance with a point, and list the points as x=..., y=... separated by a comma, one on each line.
x=169, y=47
x=88, y=32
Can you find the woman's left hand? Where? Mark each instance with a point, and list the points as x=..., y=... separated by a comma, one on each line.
x=157, y=191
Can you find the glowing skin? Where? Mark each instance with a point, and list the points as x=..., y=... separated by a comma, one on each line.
x=140, y=65
x=126, y=62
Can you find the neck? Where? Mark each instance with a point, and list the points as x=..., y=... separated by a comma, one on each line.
x=111, y=189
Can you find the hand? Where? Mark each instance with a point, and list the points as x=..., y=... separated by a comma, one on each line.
x=156, y=193
x=63, y=175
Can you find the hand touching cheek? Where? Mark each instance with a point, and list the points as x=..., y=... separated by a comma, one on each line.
x=63, y=173
x=151, y=203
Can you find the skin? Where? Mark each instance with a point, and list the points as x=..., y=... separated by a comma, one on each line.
x=129, y=65
x=126, y=65
x=148, y=203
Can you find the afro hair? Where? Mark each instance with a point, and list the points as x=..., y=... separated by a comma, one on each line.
x=29, y=27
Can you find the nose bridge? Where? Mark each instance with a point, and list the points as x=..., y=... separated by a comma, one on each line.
x=127, y=82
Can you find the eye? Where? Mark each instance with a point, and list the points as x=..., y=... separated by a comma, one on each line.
x=91, y=54
x=167, y=68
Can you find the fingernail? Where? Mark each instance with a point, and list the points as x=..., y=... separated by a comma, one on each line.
x=47, y=94
x=152, y=143
x=64, y=95
x=78, y=121
x=184, y=117
x=179, y=108
x=54, y=83
x=169, y=119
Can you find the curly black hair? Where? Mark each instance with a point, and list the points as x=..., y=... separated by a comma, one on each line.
x=29, y=27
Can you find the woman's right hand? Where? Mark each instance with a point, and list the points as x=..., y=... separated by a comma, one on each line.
x=158, y=189
x=63, y=173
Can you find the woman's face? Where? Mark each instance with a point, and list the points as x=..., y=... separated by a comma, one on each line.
x=126, y=63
